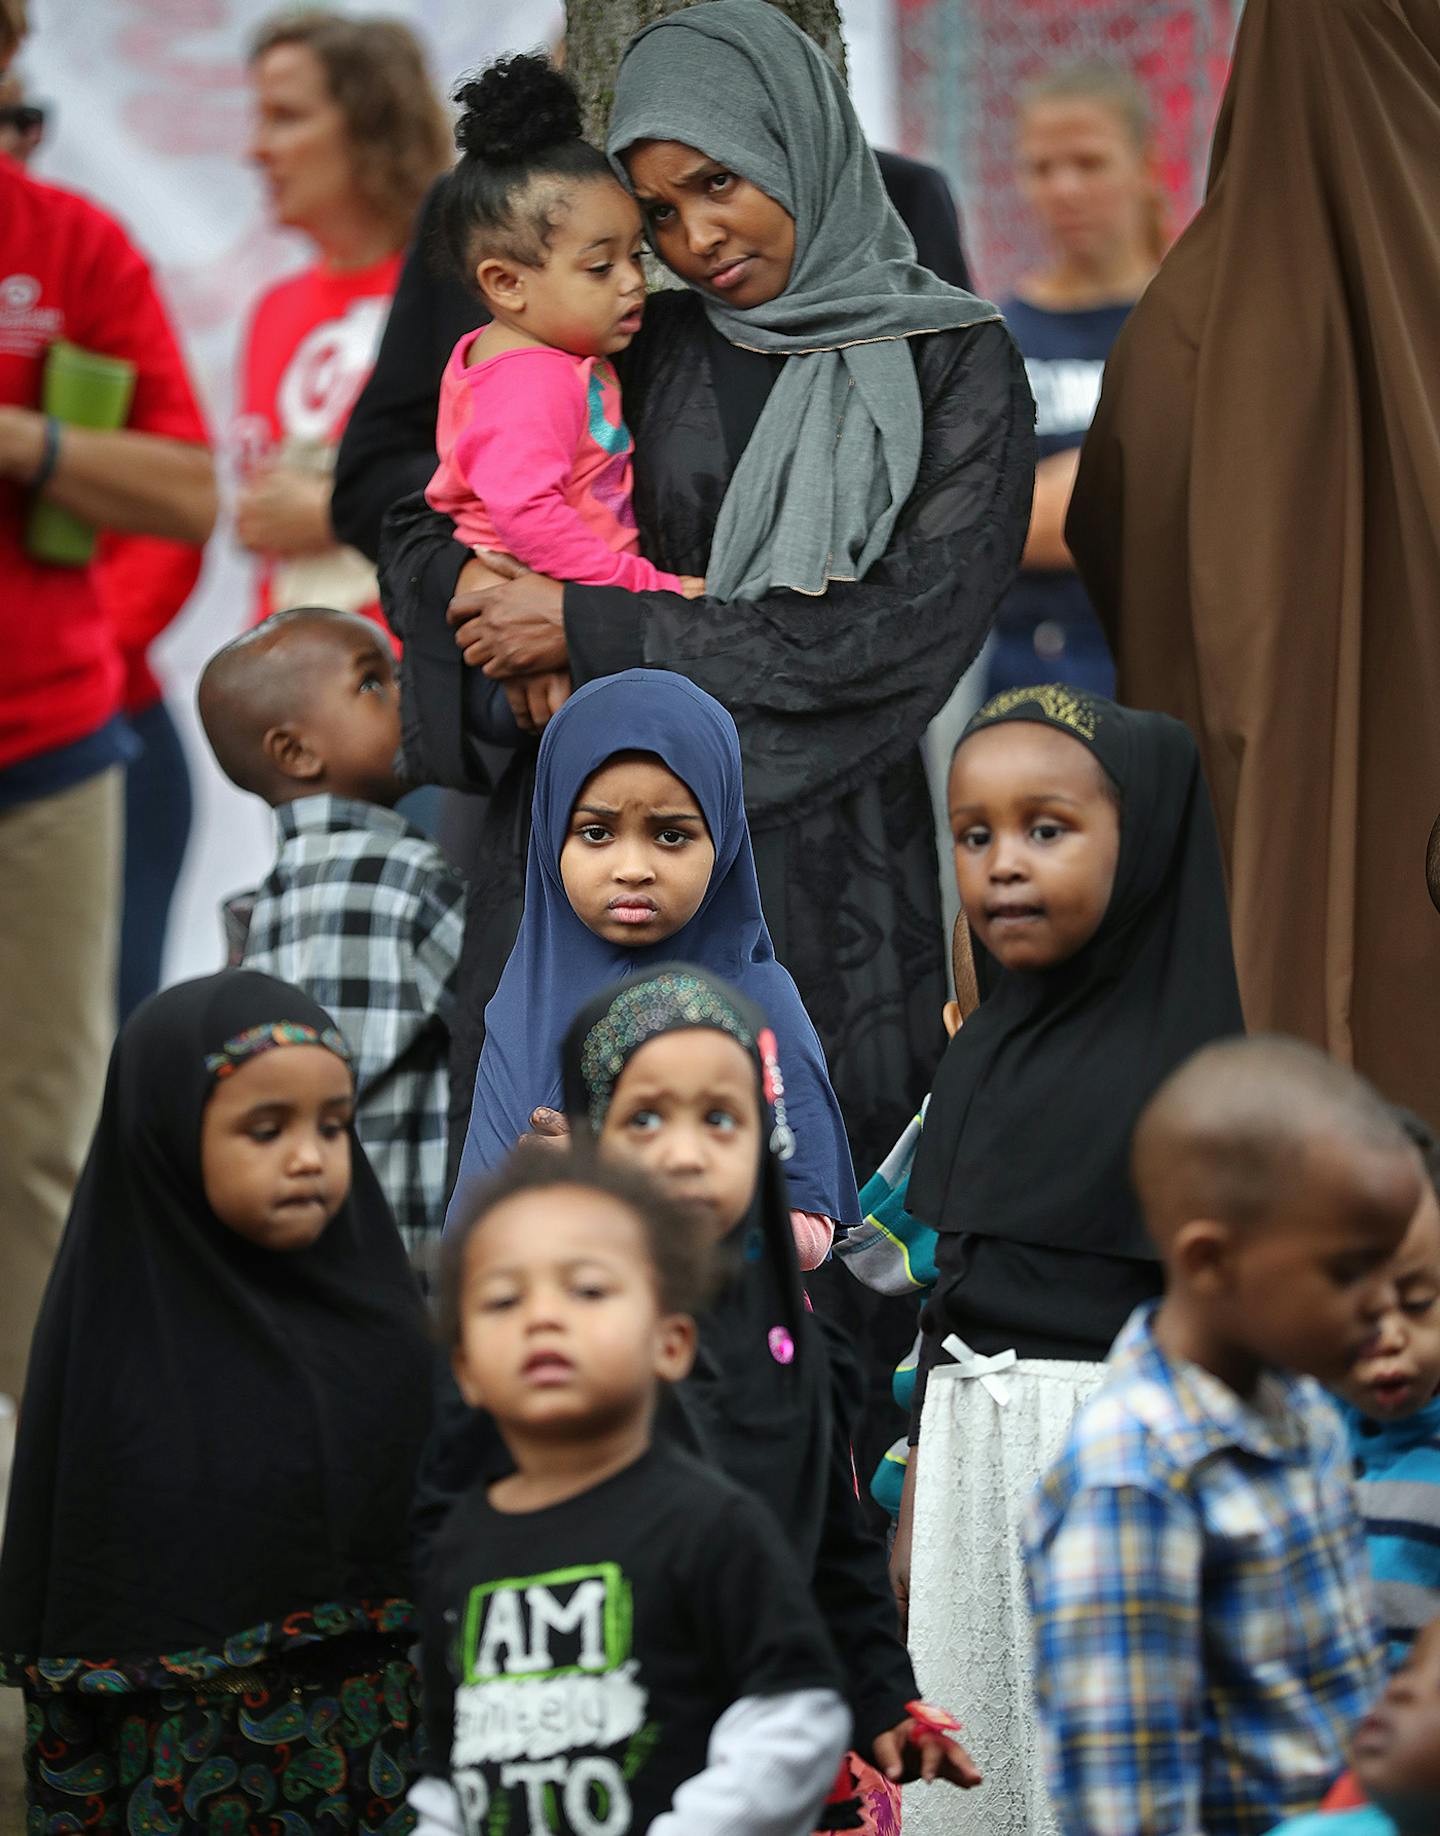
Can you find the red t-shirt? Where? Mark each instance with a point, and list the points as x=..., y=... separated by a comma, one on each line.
x=309, y=352
x=69, y=271
x=144, y=582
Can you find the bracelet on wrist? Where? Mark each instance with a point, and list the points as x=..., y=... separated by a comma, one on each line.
x=49, y=455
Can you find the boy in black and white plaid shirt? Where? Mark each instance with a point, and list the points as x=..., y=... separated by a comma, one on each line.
x=360, y=910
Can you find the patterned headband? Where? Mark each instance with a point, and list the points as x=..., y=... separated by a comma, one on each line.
x=663, y=1004
x=256, y=1039
x=667, y=1004
x=1073, y=709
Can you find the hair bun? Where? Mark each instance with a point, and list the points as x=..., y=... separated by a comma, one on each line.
x=516, y=107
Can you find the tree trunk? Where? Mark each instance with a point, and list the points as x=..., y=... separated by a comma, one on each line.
x=596, y=31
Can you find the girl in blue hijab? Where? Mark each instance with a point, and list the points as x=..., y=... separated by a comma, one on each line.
x=640, y=854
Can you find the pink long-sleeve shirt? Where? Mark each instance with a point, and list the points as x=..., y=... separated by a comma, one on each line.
x=535, y=461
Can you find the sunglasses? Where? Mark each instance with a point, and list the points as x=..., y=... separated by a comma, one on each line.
x=23, y=117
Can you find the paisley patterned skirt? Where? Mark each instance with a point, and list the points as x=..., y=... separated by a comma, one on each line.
x=319, y=1743
x=863, y=1800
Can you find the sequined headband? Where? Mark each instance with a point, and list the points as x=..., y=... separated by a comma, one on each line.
x=244, y=1046
x=666, y=1004
x=640, y=1011
x=1064, y=707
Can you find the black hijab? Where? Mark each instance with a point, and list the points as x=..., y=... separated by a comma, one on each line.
x=215, y=1435
x=758, y=1401
x=1028, y=1132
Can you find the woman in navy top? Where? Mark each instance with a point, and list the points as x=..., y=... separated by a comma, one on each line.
x=1088, y=171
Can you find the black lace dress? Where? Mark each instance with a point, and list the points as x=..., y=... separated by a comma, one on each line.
x=831, y=695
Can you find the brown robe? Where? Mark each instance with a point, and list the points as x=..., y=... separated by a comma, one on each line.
x=1257, y=518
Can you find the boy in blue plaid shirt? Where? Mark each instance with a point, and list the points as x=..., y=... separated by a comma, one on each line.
x=1204, y=1635
x=360, y=910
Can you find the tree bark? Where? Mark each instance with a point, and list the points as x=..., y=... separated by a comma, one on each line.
x=596, y=31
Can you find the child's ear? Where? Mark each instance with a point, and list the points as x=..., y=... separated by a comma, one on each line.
x=287, y=749
x=501, y=283
x=465, y=1379
x=675, y=1341
x=1203, y=1255
x=950, y=1016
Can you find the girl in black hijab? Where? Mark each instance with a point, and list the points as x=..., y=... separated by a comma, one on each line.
x=1089, y=868
x=202, y=1590
x=767, y=1402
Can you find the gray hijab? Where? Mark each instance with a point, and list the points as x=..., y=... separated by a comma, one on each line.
x=836, y=450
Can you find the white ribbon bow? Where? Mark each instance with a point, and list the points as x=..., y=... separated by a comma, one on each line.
x=967, y=1364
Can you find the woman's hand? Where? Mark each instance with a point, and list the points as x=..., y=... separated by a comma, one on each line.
x=284, y=512
x=516, y=629
x=910, y=1751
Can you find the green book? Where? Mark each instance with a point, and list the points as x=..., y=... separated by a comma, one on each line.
x=82, y=389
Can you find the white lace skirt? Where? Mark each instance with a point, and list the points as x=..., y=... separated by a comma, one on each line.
x=969, y=1625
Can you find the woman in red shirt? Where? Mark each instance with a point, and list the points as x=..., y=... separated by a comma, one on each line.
x=348, y=136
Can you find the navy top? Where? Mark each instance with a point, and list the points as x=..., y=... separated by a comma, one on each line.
x=1065, y=356
x=63, y=767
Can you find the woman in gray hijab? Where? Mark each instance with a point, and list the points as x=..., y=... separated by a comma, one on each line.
x=836, y=449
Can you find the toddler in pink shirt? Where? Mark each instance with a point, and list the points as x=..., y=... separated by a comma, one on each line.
x=534, y=451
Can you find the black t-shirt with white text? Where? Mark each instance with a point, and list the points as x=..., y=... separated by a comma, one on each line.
x=577, y=1658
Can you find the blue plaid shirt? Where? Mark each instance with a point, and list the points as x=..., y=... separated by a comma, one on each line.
x=366, y=915
x=1204, y=1640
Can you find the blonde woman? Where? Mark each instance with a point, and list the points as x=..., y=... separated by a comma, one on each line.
x=1089, y=173
x=348, y=135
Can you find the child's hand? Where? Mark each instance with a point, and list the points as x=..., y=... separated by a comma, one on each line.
x=692, y=586
x=535, y=699
x=548, y=1128
x=911, y=1751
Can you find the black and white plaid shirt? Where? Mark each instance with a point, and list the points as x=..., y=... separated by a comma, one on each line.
x=366, y=915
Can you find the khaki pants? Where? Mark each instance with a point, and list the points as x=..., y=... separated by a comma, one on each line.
x=59, y=926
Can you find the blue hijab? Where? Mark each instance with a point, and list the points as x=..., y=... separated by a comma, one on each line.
x=558, y=963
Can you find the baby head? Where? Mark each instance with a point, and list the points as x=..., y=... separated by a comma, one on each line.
x=306, y=702
x=637, y=857
x=1398, y=1370
x=1035, y=819
x=1396, y=1751
x=1278, y=1187
x=534, y=216
x=569, y=1295
x=275, y=1133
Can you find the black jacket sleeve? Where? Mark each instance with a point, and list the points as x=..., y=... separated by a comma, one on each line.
x=456, y=727
x=830, y=692
x=388, y=448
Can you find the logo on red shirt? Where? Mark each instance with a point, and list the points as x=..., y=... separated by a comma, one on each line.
x=328, y=371
x=26, y=327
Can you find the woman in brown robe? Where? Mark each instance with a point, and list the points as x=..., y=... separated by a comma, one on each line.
x=1257, y=519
